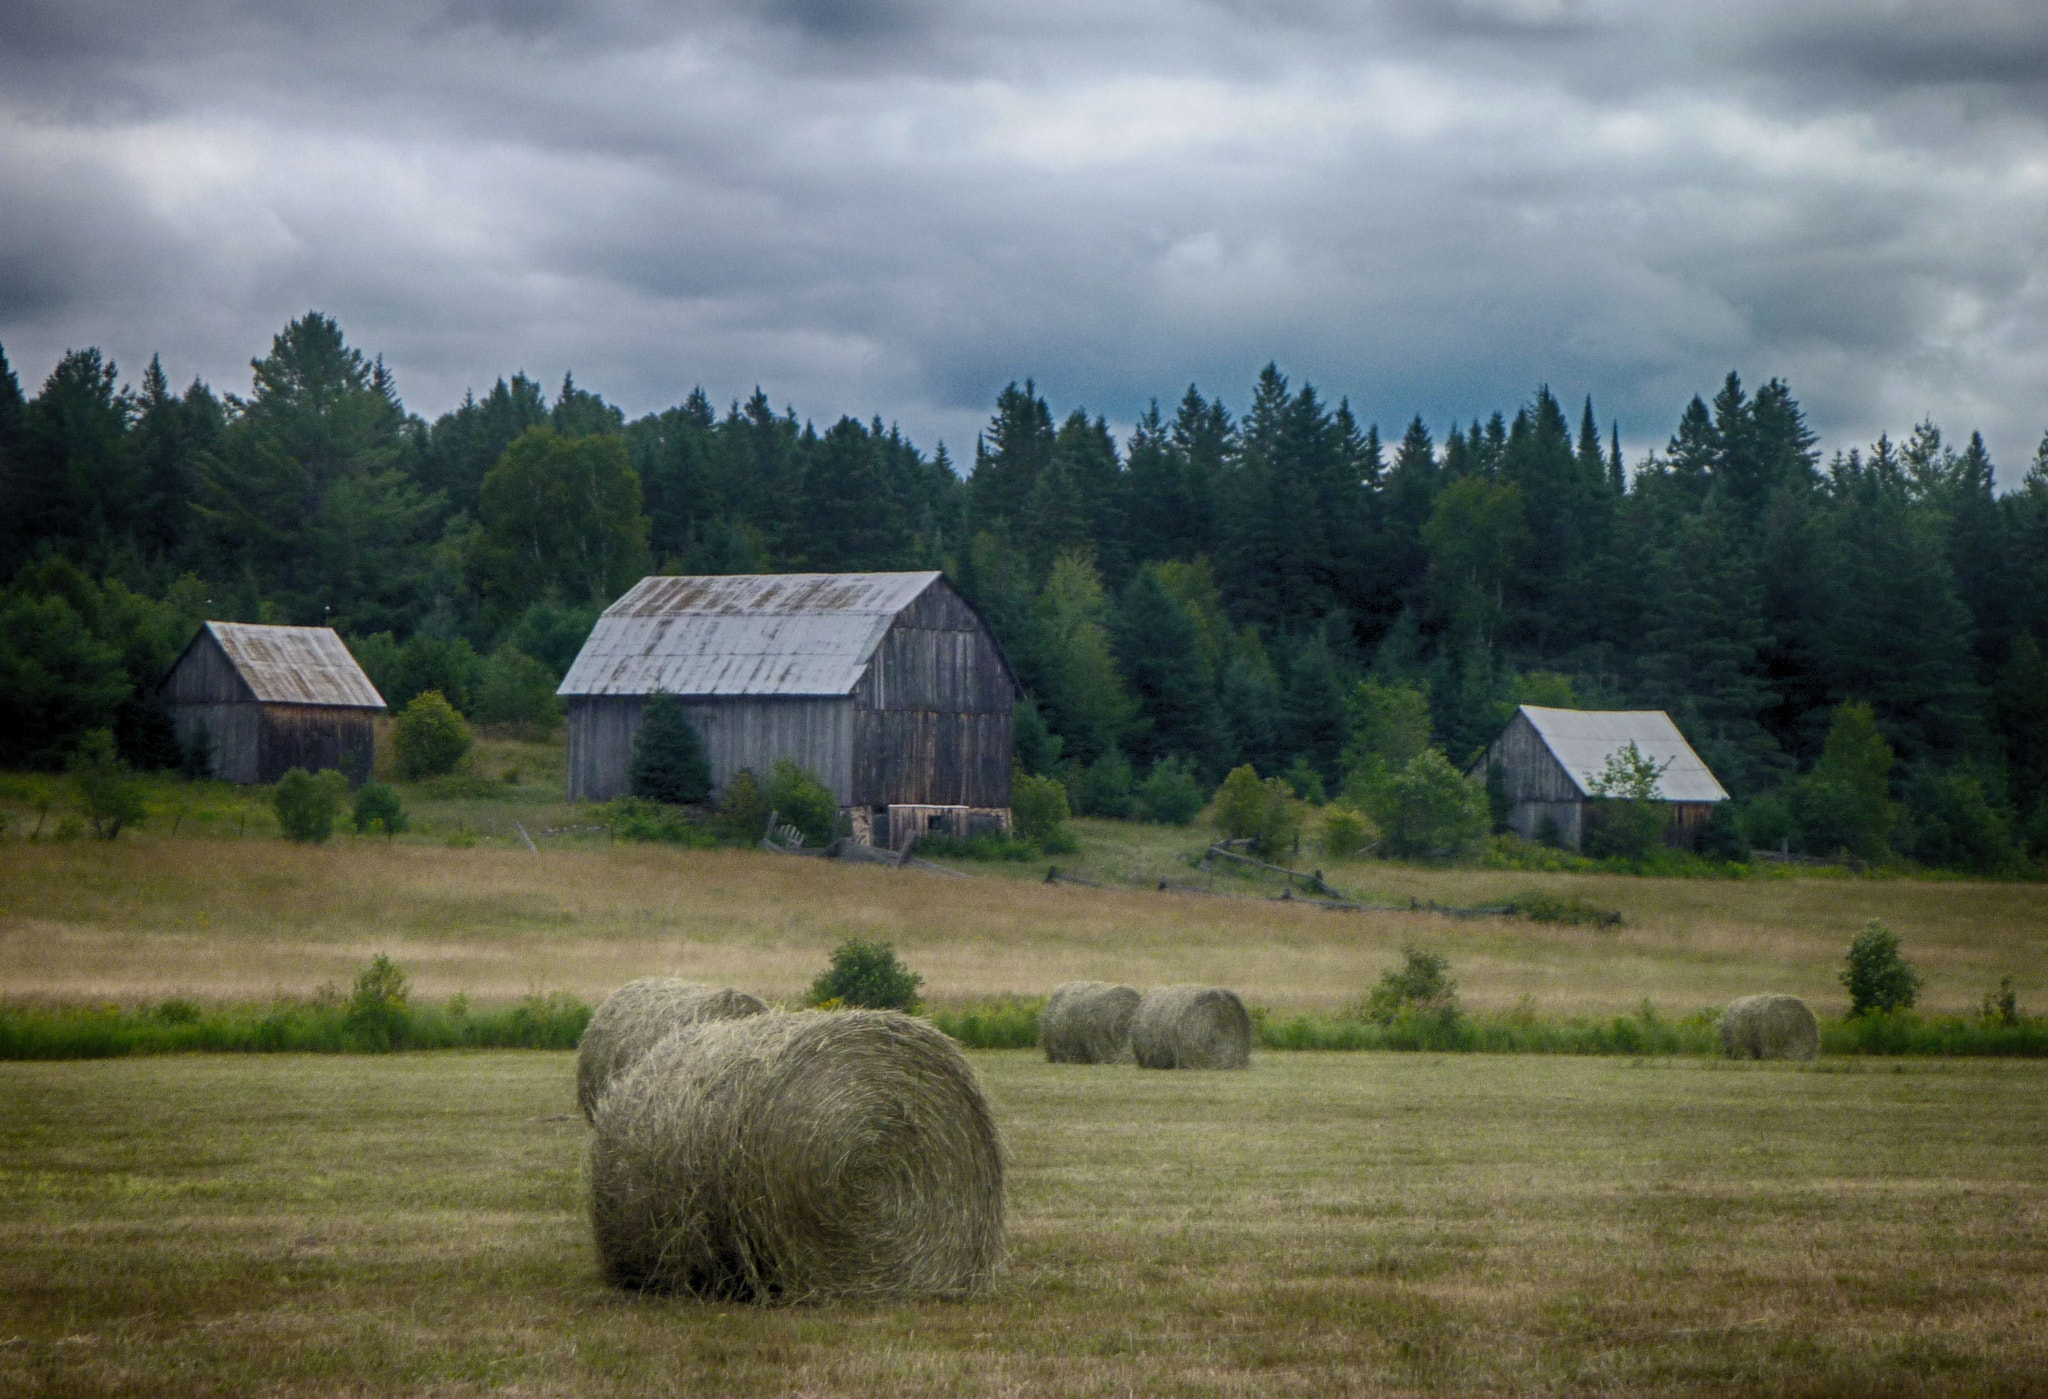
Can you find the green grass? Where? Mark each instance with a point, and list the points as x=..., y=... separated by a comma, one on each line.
x=1321, y=1224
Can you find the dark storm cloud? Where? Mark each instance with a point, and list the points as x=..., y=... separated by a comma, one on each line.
x=896, y=206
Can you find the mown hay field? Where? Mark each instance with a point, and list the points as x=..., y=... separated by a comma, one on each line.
x=1322, y=1224
x=219, y=918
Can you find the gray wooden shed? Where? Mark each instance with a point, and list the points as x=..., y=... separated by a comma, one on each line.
x=887, y=685
x=1552, y=757
x=265, y=700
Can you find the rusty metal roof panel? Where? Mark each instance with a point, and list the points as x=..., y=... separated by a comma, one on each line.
x=296, y=665
x=742, y=634
x=1582, y=739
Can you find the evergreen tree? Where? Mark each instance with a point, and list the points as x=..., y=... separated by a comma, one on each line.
x=856, y=522
x=669, y=763
x=1161, y=652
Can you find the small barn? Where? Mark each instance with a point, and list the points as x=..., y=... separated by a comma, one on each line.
x=1550, y=759
x=265, y=700
x=889, y=686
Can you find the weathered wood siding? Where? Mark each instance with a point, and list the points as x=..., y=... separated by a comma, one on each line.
x=933, y=716
x=314, y=737
x=739, y=733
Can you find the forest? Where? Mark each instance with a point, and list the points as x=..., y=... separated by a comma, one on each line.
x=1227, y=585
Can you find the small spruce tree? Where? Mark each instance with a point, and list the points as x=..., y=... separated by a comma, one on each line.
x=669, y=763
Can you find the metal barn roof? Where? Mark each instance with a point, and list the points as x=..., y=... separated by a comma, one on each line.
x=296, y=665
x=1582, y=739
x=742, y=634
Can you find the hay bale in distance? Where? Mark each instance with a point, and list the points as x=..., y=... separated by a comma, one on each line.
x=1769, y=1027
x=1191, y=1027
x=634, y=1018
x=799, y=1155
x=1088, y=1022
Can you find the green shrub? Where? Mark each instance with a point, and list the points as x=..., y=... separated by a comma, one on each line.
x=1105, y=787
x=636, y=818
x=307, y=805
x=1007, y=1024
x=1265, y=813
x=377, y=1006
x=1038, y=807
x=430, y=736
x=1877, y=977
x=513, y=687
x=1170, y=794
x=2002, y=1007
x=867, y=976
x=1305, y=782
x=377, y=809
x=988, y=845
x=1347, y=831
x=1422, y=984
x=669, y=762
x=742, y=816
x=1542, y=906
x=1429, y=808
x=1723, y=838
x=798, y=798
x=109, y=789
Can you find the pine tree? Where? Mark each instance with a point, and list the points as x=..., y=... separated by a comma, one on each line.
x=1160, y=650
x=669, y=762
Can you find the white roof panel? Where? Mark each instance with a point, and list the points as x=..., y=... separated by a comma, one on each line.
x=296, y=665
x=742, y=634
x=1582, y=739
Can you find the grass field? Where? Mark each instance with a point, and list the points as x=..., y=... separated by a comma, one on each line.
x=221, y=918
x=1324, y=1224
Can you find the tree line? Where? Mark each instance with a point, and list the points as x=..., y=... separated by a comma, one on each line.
x=1210, y=591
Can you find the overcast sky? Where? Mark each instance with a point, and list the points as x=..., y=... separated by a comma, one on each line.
x=894, y=207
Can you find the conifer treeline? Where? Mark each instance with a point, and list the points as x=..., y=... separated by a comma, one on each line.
x=1210, y=590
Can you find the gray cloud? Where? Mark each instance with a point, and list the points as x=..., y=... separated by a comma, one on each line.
x=895, y=207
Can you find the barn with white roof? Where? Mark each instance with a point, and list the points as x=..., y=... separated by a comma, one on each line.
x=1550, y=759
x=888, y=686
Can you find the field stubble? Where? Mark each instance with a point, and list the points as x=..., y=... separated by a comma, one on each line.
x=1321, y=1224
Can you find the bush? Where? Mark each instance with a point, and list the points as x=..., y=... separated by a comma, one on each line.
x=378, y=809
x=513, y=687
x=1347, y=831
x=1877, y=977
x=1104, y=787
x=636, y=818
x=1723, y=838
x=669, y=762
x=1038, y=807
x=307, y=805
x=1265, y=813
x=1421, y=984
x=430, y=736
x=109, y=789
x=1305, y=782
x=1541, y=906
x=798, y=798
x=2003, y=1006
x=1956, y=825
x=377, y=1005
x=1428, y=808
x=1170, y=794
x=866, y=976
x=742, y=817
x=989, y=845
x=1625, y=829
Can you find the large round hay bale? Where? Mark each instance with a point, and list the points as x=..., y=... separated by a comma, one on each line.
x=796, y=1155
x=1088, y=1022
x=1191, y=1027
x=634, y=1018
x=1769, y=1027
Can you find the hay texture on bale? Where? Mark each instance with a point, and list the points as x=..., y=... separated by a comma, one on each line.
x=1191, y=1027
x=1769, y=1027
x=1088, y=1022
x=799, y=1155
x=634, y=1018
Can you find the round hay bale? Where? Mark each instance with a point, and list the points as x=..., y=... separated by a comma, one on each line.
x=634, y=1018
x=1769, y=1027
x=1088, y=1022
x=1191, y=1027
x=798, y=1155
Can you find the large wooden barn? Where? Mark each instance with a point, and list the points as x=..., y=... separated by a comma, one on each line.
x=887, y=685
x=265, y=700
x=1552, y=757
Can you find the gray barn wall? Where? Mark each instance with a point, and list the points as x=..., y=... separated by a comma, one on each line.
x=933, y=715
x=739, y=733
x=1537, y=785
x=313, y=737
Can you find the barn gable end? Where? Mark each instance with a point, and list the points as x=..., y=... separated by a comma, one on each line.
x=264, y=700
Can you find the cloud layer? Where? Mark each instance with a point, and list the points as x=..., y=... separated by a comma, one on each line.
x=895, y=207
